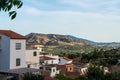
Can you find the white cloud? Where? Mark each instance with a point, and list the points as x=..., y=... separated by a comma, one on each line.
x=89, y=3
x=75, y=3
x=32, y=11
x=86, y=25
x=93, y=25
x=94, y=5
x=37, y=3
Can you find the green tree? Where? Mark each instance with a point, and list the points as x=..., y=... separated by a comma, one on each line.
x=112, y=76
x=62, y=77
x=8, y=5
x=95, y=73
x=80, y=78
x=30, y=76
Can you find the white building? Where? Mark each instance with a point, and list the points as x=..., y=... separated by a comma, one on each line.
x=37, y=57
x=64, y=60
x=33, y=58
x=51, y=69
x=47, y=60
x=12, y=50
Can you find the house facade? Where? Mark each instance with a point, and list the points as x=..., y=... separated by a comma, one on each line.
x=65, y=60
x=37, y=57
x=47, y=60
x=69, y=67
x=51, y=69
x=12, y=50
x=32, y=58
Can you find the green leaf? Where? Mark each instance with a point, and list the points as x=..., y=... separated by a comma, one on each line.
x=9, y=7
x=6, y=9
x=13, y=16
x=20, y=5
x=11, y=13
x=16, y=2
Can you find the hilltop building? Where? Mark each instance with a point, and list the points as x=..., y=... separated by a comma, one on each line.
x=12, y=50
x=12, y=55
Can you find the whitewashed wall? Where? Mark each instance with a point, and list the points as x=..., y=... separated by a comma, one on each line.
x=51, y=69
x=31, y=59
x=14, y=54
x=56, y=61
x=54, y=71
x=63, y=61
x=52, y=61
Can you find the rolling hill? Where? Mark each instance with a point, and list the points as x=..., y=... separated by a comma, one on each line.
x=57, y=39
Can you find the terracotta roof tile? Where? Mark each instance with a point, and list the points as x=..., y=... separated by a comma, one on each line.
x=66, y=58
x=11, y=34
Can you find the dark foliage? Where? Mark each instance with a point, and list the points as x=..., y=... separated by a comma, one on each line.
x=30, y=76
x=7, y=5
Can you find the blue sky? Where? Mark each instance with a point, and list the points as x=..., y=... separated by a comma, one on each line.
x=96, y=20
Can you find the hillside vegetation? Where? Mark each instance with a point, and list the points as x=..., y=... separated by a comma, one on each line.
x=60, y=40
x=65, y=44
x=52, y=39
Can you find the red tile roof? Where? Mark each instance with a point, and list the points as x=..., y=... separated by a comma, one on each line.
x=47, y=58
x=11, y=34
x=66, y=58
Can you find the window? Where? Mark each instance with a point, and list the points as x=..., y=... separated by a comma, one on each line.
x=40, y=53
x=46, y=62
x=59, y=60
x=49, y=69
x=52, y=61
x=18, y=46
x=18, y=62
x=28, y=66
x=41, y=67
x=66, y=69
x=34, y=53
x=42, y=50
x=53, y=70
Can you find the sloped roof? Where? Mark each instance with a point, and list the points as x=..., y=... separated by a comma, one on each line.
x=11, y=34
x=67, y=59
x=47, y=58
x=69, y=64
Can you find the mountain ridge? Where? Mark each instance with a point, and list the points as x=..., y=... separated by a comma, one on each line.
x=52, y=39
x=58, y=39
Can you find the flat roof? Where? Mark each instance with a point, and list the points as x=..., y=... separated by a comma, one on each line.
x=20, y=70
